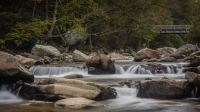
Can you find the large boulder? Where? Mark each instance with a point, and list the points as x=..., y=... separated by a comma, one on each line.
x=186, y=49
x=146, y=53
x=163, y=89
x=76, y=103
x=55, y=89
x=12, y=71
x=166, y=51
x=101, y=64
x=42, y=50
x=69, y=87
x=78, y=56
x=76, y=88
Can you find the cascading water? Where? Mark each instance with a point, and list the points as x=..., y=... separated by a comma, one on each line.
x=6, y=97
x=128, y=102
x=150, y=68
x=57, y=71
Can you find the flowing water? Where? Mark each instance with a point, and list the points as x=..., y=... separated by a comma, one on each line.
x=58, y=71
x=6, y=97
x=126, y=100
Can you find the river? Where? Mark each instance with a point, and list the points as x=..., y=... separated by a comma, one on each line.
x=126, y=100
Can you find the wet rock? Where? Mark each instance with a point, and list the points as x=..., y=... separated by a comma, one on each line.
x=42, y=50
x=78, y=56
x=186, y=49
x=33, y=92
x=101, y=64
x=146, y=54
x=163, y=89
x=193, y=78
x=12, y=71
x=106, y=92
x=71, y=88
x=77, y=103
x=77, y=88
x=73, y=76
x=166, y=51
x=25, y=60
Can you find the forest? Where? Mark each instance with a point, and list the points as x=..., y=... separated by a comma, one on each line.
x=96, y=24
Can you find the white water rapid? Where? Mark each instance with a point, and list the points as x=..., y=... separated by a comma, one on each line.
x=6, y=97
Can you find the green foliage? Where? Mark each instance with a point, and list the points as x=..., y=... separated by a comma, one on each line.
x=111, y=24
x=23, y=36
x=170, y=40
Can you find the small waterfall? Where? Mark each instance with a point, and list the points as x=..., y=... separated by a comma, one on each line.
x=55, y=71
x=119, y=69
x=195, y=92
x=6, y=97
x=18, y=91
x=151, y=68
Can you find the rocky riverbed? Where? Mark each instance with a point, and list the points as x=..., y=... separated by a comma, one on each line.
x=50, y=80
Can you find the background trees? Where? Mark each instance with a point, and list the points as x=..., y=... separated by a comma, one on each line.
x=94, y=24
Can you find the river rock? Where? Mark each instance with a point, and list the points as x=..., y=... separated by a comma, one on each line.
x=77, y=103
x=163, y=89
x=106, y=92
x=80, y=88
x=101, y=64
x=146, y=54
x=186, y=49
x=42, y=50
x=25, y=60
x=33, y=92
x=193, y=78
x=78, y=56
x=166, y=51
x=70, y=87
x=11, y=70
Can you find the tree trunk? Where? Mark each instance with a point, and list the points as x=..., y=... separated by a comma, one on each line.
x=50, y=33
